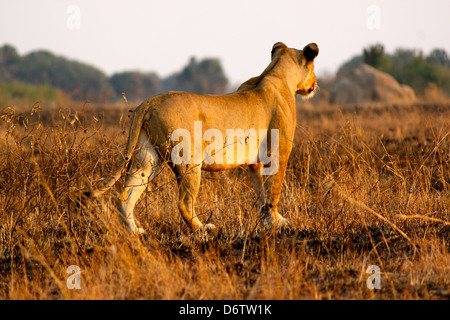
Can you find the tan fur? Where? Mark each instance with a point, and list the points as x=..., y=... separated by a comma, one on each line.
x=263, y=102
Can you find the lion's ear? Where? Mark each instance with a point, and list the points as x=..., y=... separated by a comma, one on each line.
x=311, y=51
x=277, y=46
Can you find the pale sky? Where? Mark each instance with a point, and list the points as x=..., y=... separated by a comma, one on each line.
x=161, y=36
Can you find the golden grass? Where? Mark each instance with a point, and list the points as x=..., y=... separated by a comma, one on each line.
x=364, y=186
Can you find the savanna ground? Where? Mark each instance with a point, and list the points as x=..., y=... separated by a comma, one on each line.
x=365, y=186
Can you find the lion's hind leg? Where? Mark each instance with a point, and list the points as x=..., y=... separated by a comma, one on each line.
x=258, y=183
x=272, y=188
x=144, y=166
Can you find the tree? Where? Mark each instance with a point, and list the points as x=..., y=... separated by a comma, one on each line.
x=81, y=81
x=137, y=86
x=9, y=59
x=439, y=57
x=206, y=77
x=84, y=82
x=374, y=55
x=402, y=55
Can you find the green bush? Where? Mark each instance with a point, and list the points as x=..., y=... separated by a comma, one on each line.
x=28, y=94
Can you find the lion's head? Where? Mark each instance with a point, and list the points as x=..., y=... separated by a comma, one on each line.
x=303, y=62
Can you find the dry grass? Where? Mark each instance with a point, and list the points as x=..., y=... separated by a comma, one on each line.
x=364, y=186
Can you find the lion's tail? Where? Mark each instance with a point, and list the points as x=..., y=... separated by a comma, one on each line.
x=136, y=124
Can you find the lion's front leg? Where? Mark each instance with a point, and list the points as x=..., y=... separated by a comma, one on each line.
x=272, y=187
x=188, y=178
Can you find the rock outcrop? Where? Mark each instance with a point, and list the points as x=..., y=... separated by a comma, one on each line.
x=365, y=84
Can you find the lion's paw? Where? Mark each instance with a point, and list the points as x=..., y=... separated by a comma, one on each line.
x=278, y=223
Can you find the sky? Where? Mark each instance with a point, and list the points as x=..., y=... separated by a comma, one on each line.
x=161, y=36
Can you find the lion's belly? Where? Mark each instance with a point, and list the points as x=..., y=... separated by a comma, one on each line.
x=234, y=152
x=220, y=167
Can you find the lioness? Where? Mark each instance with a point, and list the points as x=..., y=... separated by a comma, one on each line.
x=264, y=102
